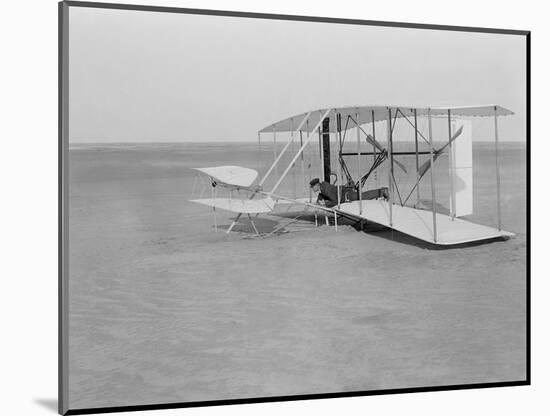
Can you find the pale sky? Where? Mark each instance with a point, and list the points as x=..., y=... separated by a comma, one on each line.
x=161, y=77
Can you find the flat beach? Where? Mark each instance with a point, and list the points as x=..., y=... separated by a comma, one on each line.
x=164, y=309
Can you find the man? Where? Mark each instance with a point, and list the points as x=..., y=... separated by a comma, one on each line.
x=328, y=193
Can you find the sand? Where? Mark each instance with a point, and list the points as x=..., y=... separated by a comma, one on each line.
x=163, y=309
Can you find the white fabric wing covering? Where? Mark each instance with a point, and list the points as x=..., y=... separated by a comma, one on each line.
x=418, y=223
x=242, y=206
x=368, y=113
x=231, y=175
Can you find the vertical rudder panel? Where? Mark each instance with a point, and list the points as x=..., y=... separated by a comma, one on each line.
x=462, y=166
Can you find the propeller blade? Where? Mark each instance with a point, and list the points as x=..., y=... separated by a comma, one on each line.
x=400, y=165
x=452, y=139
x=372, y=141
x=426, y=165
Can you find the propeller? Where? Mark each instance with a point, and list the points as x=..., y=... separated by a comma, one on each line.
x=378, y=147
x=426, y=165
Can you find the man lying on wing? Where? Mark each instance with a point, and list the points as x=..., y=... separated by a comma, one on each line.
x=328, y=193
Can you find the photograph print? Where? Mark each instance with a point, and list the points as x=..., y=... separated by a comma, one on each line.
x=264, y=207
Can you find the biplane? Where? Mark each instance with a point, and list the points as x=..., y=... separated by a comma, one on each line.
x=373, y=156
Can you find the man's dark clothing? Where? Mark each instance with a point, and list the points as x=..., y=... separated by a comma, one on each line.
x=329, y=193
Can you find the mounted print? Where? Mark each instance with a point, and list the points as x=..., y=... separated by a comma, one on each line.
x=263, y=207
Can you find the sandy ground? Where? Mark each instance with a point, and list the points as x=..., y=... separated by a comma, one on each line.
x=163, y=309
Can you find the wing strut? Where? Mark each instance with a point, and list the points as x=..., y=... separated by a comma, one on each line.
x=275, y=162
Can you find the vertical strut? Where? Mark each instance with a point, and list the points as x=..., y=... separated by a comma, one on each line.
x=451, y=167
x=339, y=184
x=310, y=163
x=294, y=185
x=432, y=174
x=304, y=186
x=325, y=131
x=497, y=167
x=390, y=182
x=416, y=154
x=394, y=184
x=359, y=183
x=253, y=225
x=214, y=212
x=322, y=175
x=374, y=150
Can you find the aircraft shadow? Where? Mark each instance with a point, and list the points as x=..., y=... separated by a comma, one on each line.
x=397, y=236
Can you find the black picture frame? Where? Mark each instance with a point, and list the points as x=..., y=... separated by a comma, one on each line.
x=63, y=239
